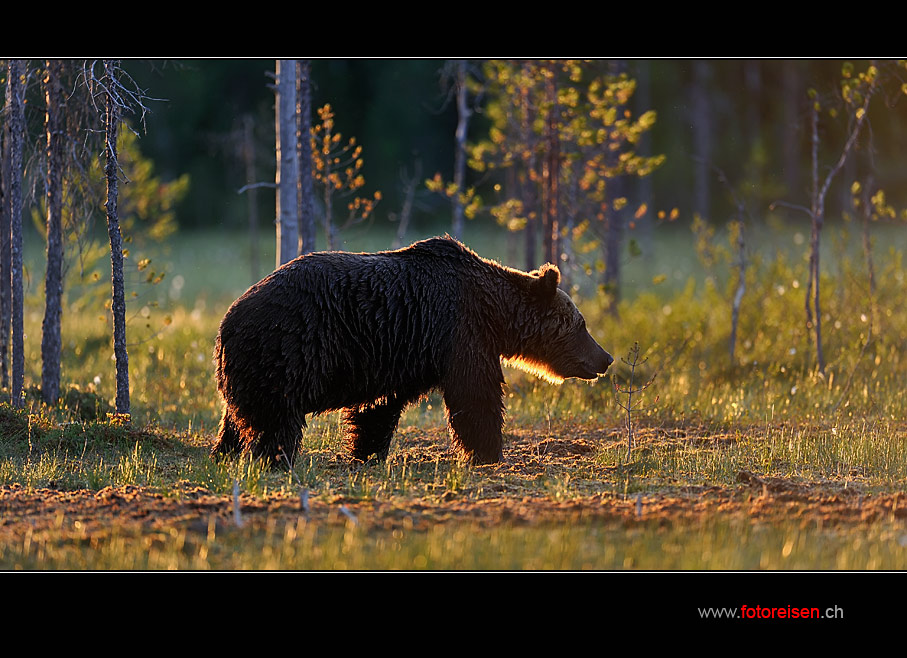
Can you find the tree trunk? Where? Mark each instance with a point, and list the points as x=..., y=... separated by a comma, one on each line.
x=287, y=165
x=741, y=280
x=817, y=217
x=16, y=118
x=568, y=255
x=111, y=128
x=409, y=196
x=463, y=114
x=526, y=180
x=53, y=282
x=306, y=192
x=5, y=290
x=817, y=214
x=866, y=219
x=551, y=172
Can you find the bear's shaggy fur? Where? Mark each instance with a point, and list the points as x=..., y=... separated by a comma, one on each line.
x=372, y=333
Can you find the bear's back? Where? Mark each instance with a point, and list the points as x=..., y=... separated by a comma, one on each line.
x=381, y=322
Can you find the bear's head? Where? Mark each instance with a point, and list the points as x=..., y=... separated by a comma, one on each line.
x=555, y=343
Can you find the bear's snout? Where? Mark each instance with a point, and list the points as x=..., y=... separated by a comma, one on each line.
x=607, y=360
x=602, y=361
x=596, y=360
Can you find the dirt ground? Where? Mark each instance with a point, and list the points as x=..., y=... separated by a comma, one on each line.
x=22, y=511
x=503, y=494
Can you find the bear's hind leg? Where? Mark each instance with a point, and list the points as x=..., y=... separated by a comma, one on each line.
x=372, y=428
x=229, y=442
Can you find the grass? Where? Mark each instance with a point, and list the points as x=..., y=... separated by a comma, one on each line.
x=720, y=544
x=758, y=464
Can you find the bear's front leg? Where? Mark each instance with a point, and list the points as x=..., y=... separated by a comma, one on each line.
x=372, y=428
x=474, y=397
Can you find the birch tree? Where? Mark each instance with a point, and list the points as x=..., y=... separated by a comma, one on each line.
x=515, y=92
x=5, y=289
x=115, y=94
x=819, y=193
x=565, y=128
x=53, y=283
x=460, y=85
x=856, y=93
x=551, y=165
x=458, y=71
x=111, y=126
x=305, y=192
x=310, y=156
x=15, y=103
x=287, y=162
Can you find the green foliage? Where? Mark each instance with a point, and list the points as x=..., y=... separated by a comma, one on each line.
x=146, y=204
x=337, y=169
x=471, y=202
x=855, y=87
x=879, y=207
x=147, y=218
x=586, y=108
x=706, y=248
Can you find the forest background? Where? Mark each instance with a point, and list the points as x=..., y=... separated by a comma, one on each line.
x=748, y=117
x=601, y=166
x=716, y=146
x=687, y=203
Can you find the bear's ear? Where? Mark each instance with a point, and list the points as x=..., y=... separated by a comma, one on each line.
x=546, y=285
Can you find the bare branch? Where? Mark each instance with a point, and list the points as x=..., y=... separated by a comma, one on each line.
x=633, y=362
x=255, y=186
x=791, y=206
x=851, y=140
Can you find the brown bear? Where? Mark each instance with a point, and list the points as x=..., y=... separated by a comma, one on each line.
x=371, y=333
